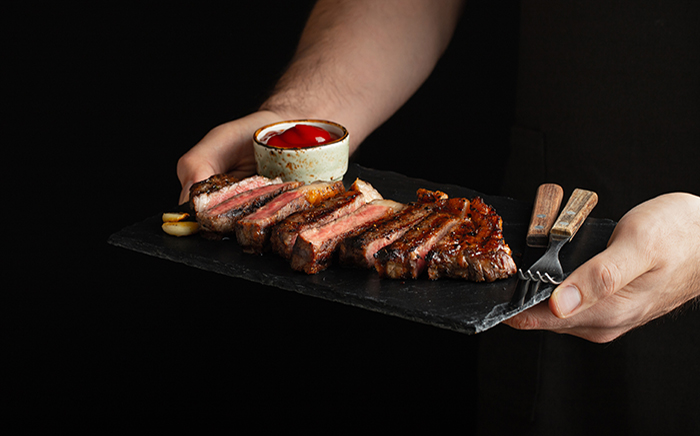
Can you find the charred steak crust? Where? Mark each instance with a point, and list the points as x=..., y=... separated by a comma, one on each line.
x=459, y=207
x=405, y=257
x=474, y=250
x=426, y=196
x=212, y=184
x=253, y=231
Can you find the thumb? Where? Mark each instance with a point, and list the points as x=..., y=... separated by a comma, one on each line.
x=190, y=173
x=600, y=277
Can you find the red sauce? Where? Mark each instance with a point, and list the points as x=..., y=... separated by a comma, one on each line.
x=299, y=136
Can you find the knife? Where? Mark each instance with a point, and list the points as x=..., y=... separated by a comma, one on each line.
x=544, y=212
x=547, y=203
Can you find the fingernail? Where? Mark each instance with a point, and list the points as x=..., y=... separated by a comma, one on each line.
x=567, y=299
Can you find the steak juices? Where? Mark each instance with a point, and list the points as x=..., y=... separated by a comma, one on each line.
x=314, y=225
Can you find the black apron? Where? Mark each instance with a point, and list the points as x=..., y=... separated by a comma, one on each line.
x=608, y=100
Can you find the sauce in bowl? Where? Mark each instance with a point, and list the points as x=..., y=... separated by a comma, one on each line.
x=302, y=150
x=299, y=136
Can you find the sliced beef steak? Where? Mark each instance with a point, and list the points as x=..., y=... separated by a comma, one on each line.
x=474, y=249
x=223, y=217
x=220, y=187
x=284, y=235
x=253, y=230
x=405, y=257
x=359, y=250
x=314, y=248
x=310, y=224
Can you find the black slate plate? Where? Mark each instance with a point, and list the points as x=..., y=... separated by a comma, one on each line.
x=452, y=304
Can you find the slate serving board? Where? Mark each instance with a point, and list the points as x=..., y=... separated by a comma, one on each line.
x=457, y=305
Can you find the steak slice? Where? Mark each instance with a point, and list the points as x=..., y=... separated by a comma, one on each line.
x=314, y=247
x=475, y=250
x=223, y=217
x=220, y=187
x=359, y=250
x=284, y=235
x=405, y=257
x=253, y=230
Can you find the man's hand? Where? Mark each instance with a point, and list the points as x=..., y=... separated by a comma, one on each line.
x=226, y=148
x=356, y=63
x=651, y=266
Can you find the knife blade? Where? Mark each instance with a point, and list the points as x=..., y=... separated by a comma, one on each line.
x=544, y=212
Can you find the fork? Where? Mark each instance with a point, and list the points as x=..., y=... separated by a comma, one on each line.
x=548, y=268
x=544, y=212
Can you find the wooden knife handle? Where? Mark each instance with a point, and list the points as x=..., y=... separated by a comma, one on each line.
x=547, y=202
x=575, y=212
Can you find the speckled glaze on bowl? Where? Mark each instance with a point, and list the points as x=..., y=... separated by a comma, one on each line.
x=328, y=161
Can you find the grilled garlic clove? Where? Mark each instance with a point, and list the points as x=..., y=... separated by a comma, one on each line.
x=181, y=228
x=170, y=217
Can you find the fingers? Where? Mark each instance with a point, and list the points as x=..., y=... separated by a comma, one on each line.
x=228, y=148
x=591, y=303
x=185, y=193
x=625, y=259
x=191, y=168
x=593, y=281
x=590, y=325
x=649, y=268
x=598, y=282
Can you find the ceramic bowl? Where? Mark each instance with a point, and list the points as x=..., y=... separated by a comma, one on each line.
x=327, y=161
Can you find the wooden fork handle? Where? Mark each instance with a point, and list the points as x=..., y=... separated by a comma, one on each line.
x=575, y=213
x=547, y=202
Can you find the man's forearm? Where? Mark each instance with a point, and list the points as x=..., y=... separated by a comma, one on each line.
x=358, y=61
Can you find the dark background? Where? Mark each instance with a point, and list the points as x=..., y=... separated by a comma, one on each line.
x=102, y=101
